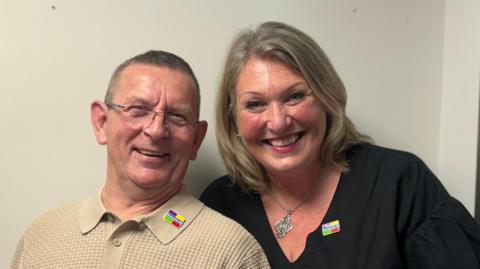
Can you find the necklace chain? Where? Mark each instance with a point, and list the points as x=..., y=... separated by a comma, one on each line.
x=284, y=225
x=305, y=198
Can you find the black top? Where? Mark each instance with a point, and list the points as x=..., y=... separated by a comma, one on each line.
x=393, y=213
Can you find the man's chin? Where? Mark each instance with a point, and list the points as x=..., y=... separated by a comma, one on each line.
x=148, y=178
x=150, y=182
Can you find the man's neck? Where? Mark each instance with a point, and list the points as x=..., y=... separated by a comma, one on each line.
x=128, y=202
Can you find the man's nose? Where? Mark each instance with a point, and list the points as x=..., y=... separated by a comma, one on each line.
x=157, y=128
x=278, y=118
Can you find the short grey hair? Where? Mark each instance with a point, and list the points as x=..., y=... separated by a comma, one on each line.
x=156, y=58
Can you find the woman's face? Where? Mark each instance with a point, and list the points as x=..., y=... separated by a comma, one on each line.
x=281, y=122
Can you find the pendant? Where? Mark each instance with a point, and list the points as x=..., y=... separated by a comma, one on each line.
x=283, y=226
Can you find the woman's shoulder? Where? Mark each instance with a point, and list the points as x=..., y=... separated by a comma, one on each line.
x=395, y=166
x=377, y=153
x=220, y=183
x=400, y=178
x=220, y=188
x=223, y=194
x=385, y=163
x=438, y=231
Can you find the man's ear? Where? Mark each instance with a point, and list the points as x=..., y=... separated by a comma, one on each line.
x=98, y=117
x=200, y=132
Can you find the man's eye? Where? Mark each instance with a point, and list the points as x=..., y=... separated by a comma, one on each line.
x=136, y=111
x=178, y=118
x=254, y=105
x=295, y=98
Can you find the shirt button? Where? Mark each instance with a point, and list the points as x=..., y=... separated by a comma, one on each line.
x=117, y=242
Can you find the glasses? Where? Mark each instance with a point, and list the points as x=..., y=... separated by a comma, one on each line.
x=143, y=115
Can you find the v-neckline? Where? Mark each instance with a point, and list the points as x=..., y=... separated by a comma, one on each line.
x=332, y=211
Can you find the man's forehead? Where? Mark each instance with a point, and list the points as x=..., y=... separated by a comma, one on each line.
x=151, y=75
x=137, y=71
x=145, y=82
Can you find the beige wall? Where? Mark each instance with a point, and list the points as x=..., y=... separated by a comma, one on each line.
x=55, y=61
x=460, y=98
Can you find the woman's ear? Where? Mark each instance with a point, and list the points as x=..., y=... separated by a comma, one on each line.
x=98, y=117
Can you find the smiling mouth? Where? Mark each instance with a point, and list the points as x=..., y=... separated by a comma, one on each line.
x=152, y=153
x=284, y=141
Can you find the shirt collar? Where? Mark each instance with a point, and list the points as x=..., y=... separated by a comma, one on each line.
x=90, y=213
x=183, y=203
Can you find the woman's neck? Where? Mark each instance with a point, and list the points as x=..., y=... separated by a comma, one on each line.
x=293, y=188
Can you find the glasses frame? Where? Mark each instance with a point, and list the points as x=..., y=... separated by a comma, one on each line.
x=167, y=115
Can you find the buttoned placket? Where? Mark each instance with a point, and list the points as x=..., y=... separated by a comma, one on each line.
x=118, y=236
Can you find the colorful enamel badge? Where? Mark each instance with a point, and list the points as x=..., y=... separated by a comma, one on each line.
x=174, y=218
x=331, y=228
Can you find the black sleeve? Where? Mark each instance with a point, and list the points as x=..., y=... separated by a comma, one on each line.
x=439, y=232
x=448, y=238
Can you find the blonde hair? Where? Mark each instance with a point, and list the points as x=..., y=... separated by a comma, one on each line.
x=284, y=43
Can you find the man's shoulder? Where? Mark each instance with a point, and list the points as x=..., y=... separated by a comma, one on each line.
x=227, y=238
x=56, y=217
x=215, y=227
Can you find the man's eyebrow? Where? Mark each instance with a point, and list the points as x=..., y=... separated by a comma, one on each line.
x=180, y=108
x=136, y=100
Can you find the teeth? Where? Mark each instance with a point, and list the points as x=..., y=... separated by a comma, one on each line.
x=283, y=142
x=151, y=153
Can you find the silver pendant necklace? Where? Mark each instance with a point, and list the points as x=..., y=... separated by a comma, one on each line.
x=284, y=225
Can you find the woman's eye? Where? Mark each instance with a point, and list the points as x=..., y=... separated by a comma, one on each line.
x=254, y=105
x=295, y=97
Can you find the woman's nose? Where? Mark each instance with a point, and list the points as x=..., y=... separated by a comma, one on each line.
x=278, y=118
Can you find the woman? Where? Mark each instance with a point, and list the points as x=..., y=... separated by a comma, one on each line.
x=312, y=189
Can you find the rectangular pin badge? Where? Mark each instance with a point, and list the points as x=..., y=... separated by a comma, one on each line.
x=174, y=218
x=331, y=228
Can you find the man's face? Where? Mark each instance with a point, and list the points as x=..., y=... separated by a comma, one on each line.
x=153, y=152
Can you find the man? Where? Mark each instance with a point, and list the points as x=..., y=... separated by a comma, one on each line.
x=143, y=217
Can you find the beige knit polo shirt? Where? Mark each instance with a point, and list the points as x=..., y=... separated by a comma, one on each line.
x=182, y=233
